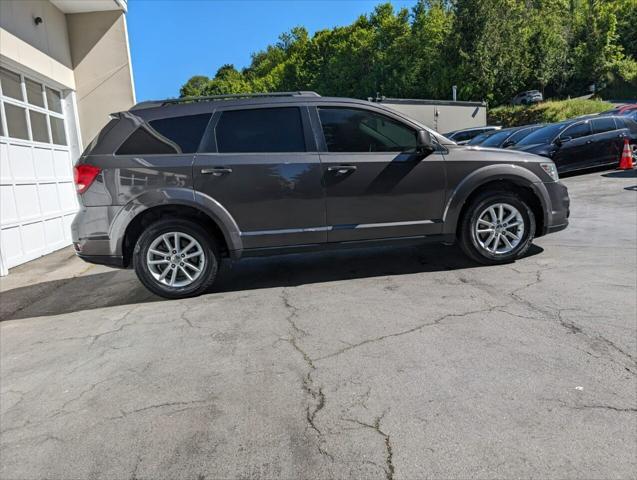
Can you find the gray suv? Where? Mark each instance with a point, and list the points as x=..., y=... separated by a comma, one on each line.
x=171, y=187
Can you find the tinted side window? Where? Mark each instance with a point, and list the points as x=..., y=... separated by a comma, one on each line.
x=185, y=132
x=604, y=124
x=463, y=136
x=577, y=131
x=143, y=142
x=353, y=130
x=520, y=134
x=260, y=130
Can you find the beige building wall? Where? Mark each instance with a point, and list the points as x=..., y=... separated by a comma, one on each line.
x=44, y=48
x=442, y=116
x=85, y=52
x=102, y=68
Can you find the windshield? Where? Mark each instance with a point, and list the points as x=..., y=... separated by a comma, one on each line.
x=543, y=135
x=496, y=139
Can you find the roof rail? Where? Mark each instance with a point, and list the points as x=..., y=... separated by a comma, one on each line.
x=172, y=101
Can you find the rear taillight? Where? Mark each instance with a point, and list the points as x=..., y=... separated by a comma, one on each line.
x=84, y=176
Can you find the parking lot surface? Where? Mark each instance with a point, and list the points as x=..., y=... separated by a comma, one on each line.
x=384, y=363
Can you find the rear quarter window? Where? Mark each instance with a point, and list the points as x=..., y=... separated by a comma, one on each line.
x=166, y=135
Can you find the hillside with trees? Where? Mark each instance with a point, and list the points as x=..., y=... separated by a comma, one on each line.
x=490, y=49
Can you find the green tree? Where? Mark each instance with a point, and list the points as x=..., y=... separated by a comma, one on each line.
x=491, y=49
x=194, y=87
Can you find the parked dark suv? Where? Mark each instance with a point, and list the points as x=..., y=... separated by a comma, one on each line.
x=581, y=143
x=171, y=187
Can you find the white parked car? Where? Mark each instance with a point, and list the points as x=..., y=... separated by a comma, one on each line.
x=526, y=98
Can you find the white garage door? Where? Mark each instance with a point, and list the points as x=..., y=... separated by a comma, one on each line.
x=37, y=196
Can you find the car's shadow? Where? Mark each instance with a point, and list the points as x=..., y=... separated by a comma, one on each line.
x=121, y=287
x=621, y=174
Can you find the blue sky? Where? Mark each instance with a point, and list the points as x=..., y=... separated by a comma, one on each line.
x=172, y=40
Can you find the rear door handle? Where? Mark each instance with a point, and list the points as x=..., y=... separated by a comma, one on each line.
x=342, y=169
x=216, y=171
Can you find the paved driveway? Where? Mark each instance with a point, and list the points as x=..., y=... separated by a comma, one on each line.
x=403, y=363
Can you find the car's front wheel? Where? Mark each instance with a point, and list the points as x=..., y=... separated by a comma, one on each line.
x=176, y=258
x=497, y=227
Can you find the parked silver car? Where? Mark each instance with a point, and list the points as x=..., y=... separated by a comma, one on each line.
x=462, y=137
x=527, y=98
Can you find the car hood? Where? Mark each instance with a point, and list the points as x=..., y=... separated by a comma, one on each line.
x=497, y=154
x=530, y=148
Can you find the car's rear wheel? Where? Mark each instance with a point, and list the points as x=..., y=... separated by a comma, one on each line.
x=176, y=258
x=497, y=227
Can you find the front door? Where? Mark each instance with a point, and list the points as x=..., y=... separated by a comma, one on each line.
x=376, y=184
x=261, y=165
x=577, y=149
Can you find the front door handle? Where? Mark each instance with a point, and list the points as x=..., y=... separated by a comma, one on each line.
x=342, y=169
x=216, y=171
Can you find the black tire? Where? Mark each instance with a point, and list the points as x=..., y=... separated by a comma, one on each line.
x=210, y=251
x=468, y=238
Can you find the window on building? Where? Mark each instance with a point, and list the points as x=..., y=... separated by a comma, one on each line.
x=185, y=132
x=31, y=117
x=57, y=131
x=54, y=100
x=603, y=124
x=260, y=130
x=143, y=142
x=11, y=84
x=16, y=121
x=34, y=93
x=354, y=130
x=39, y=128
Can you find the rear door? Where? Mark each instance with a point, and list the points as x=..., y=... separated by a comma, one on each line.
x=609, y=140
x=576, y=150
x=261, y=164
x=376, y=185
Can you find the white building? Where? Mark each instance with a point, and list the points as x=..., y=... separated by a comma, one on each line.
x=64, y=66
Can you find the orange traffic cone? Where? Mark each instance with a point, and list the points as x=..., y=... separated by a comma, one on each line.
x=626, y=161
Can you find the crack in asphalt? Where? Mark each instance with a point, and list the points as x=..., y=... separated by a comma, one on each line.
x=190, y=404
x=389, y=450
x=408, y=331
x=138, y=461
x=591, y=406
x=307, y=384
x=570, y=326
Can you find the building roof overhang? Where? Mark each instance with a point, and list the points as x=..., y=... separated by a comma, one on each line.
x=83, y=6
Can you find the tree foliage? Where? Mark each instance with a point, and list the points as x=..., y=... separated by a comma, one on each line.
x=490, y=49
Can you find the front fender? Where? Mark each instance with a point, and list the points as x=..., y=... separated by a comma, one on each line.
x=176, y=196
x=499, y=172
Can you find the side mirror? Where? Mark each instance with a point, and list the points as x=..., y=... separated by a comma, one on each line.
x=559, y=141
x=425, y=142
x=508, y=143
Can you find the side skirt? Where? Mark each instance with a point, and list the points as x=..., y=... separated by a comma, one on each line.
x=318, y=247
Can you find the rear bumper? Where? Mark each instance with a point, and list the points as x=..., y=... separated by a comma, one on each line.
x=115, y=261
x=92, y=238
x=557, y=216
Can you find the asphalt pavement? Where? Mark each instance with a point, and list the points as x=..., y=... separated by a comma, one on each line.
x=388, y=363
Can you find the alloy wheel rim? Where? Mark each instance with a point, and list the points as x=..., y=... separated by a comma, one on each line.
x=499, y=228
x=175, y=259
